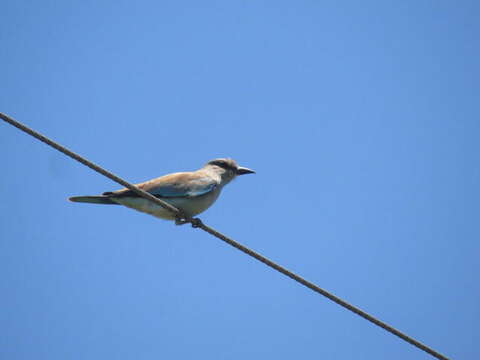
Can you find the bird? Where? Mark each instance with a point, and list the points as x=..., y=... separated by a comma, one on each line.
x=190, y=192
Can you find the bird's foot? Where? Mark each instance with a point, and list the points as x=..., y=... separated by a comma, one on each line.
x=181, y=221
x=196, y=222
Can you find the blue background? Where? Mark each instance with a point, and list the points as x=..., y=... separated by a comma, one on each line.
x=361, y=119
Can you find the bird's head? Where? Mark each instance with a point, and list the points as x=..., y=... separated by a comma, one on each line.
x=228, y=169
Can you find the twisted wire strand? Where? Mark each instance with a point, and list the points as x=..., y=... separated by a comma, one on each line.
x=197, y=223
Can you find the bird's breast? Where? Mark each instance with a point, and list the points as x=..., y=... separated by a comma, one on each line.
x=190, y=206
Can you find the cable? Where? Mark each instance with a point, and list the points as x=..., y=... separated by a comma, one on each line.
x=197, y=223
x=91, y=165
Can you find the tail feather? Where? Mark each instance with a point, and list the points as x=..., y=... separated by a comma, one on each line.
x=100, y=199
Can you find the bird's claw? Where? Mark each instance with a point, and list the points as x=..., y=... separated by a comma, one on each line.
x=180, y=221
x=196, y=222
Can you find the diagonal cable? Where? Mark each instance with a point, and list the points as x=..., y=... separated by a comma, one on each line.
x=91, y=165
x=197, y=223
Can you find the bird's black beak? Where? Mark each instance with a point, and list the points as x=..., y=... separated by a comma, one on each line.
x=244, y=170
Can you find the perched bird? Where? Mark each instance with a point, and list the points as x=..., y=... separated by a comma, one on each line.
x=190, y=192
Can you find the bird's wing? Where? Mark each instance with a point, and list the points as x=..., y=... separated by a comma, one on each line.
x=187, y=184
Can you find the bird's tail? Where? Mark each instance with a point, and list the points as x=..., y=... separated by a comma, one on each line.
x=100, y=199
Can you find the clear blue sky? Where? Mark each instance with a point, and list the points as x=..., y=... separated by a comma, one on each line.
x=361, y=119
